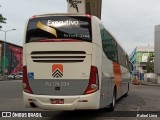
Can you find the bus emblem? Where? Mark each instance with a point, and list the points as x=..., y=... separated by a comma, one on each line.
x=57, y=70
x=47, y=28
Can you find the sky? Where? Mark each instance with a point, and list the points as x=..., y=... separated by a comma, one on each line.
x=132, y=22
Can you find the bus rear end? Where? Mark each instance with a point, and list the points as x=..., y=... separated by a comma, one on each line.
x=57, y=63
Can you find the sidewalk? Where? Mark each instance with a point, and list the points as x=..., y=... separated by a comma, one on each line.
x=1, y=78
x=142, y=82
x=6, y=79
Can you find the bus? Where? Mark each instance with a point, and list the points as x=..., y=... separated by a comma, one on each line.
x=72, y=62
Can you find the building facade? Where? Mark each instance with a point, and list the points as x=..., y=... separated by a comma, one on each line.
x=92, y=7
x=157, y=49
x=139, y=59
x=157, y=52
x=13, y=58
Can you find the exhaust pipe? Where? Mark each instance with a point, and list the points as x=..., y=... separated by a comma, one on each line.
x=33, y=105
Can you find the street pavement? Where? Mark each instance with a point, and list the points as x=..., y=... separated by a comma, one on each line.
x=140, y=98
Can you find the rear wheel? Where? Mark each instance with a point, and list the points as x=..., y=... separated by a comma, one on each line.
x=112, y=105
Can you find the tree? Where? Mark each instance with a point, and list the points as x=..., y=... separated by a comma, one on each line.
x=150, y=63
x=2, y=20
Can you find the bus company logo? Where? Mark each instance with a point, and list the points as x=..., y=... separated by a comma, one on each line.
x=57, y=70
x=46, y=28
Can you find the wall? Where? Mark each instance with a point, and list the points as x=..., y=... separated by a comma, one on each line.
x=13, y=59
x=150, y=77
x=157, y=49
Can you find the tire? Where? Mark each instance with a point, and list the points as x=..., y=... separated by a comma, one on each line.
x=112, y=105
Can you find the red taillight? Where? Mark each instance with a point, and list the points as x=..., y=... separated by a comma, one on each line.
x=93, y=85
x=33, y=17
x=88, y=15
x=26, y=86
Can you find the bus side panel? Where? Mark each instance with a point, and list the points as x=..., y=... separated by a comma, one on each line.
x=107, y=82
x=117, y=79
x=105, y=67
x=96, y=61
x=97, y=50
x=125, y=81
x=121, y=79
x=96, y=31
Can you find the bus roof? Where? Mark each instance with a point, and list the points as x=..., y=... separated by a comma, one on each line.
x=60, y=14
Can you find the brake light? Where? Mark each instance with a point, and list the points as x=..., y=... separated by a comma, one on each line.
x=93, y=85
x=33, y=17
x=26, y=86
x=88, y=15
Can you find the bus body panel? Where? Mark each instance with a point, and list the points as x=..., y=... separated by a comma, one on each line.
x=107, y=82
x=126, y=80
x=70, y=102
x=75, y=74
x=96, y=36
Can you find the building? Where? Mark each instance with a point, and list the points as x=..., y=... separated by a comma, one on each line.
x=13, y=58
x=92, y=7
x=139, y=58
x=157, y=52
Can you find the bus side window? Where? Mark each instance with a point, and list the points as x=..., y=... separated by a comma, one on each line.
x=109, y=45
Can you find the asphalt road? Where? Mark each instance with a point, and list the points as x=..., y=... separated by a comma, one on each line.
x=140, y=98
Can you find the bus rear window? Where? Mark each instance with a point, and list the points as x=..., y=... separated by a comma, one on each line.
x=59, y=27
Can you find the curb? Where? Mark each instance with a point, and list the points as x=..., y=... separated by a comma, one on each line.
x=10, y=80
x=138, y=82
x=150, y=84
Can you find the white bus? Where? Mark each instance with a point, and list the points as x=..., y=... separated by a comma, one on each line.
x=72, y=62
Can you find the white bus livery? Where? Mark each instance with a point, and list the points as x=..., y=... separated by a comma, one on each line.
x=72, y=62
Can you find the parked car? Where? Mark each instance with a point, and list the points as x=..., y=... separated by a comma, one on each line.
x=11, y=76
x=19, y=75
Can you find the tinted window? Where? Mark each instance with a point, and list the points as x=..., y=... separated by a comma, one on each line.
x=59, y=27
x=109, y=45
x=113, y=50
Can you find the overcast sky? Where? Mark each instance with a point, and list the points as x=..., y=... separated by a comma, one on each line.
x=132, y=22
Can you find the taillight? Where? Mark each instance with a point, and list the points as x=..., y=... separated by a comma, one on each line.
x=26, y=86
x=33, y=17
x=93, y=85
x=88, y=15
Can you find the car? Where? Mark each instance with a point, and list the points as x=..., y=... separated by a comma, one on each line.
x=11, y=76
x=19, y=75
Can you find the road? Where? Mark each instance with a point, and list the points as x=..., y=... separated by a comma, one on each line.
x=140, y=98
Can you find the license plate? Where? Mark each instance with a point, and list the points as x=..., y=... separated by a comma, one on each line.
x=57, y=101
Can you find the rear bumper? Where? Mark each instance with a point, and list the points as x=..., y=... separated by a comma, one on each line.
x=70, y=102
